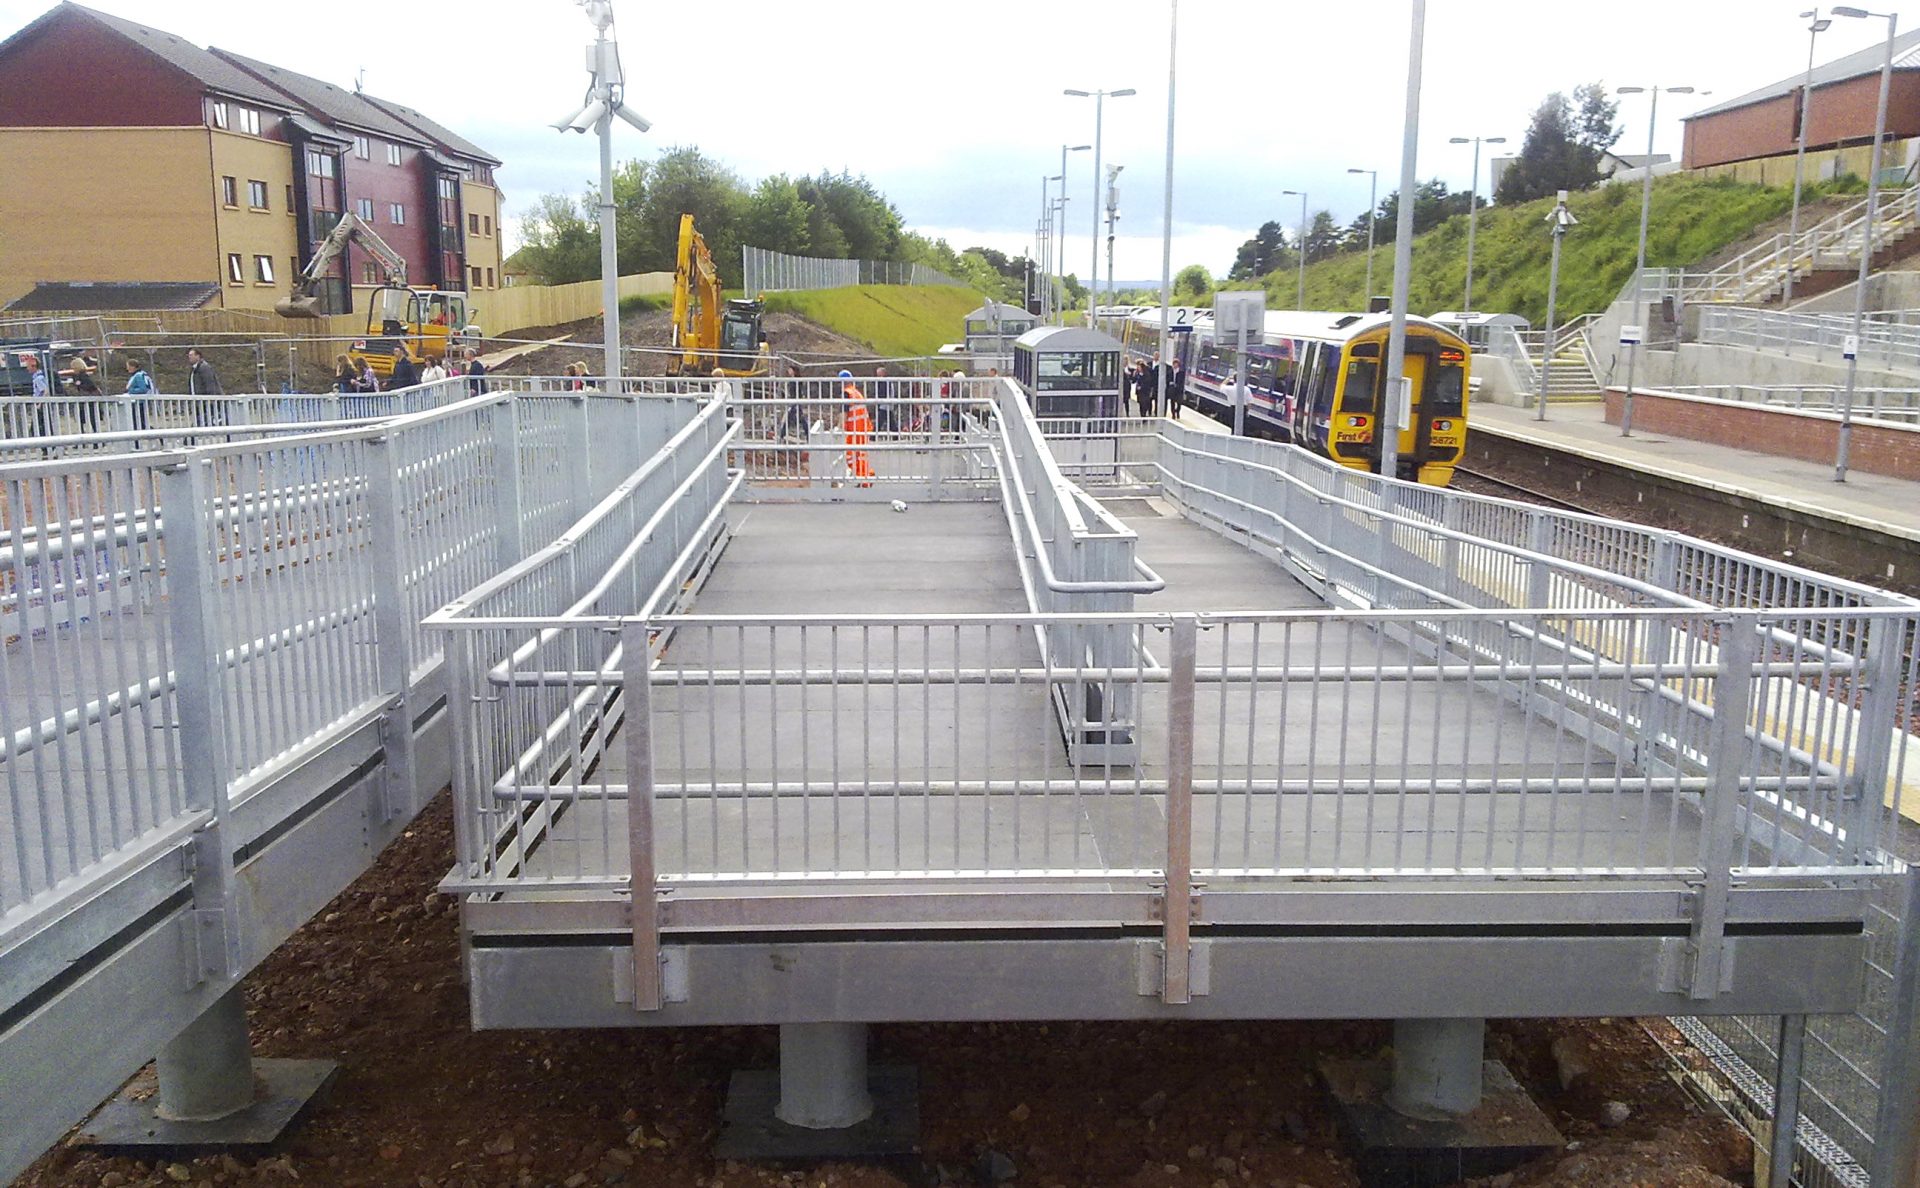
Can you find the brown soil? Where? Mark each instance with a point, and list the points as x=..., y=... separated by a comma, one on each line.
x=815, y=346
x=422, y=1100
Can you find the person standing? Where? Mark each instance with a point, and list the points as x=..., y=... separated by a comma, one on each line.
x=858, y=428
x=476, y=373
x=86, y=392
x=722, y=390
x=433, y=372
x=1149, y=381
x=140, y=391
x=201, y=381
x=343, y=374
x=1177, y=386
x=42, y=392
x=406, y=374
x=886, y=418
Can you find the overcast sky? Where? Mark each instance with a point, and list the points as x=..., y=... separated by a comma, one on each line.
x=956, y=117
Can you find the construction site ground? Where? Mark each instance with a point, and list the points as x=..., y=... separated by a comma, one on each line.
x=423, y=1101
x=813, y=346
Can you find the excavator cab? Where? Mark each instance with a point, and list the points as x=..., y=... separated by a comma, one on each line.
x=428, y=322
x=742, y=337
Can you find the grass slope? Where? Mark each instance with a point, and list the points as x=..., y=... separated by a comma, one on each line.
x=1691, y=218
x=892, y=319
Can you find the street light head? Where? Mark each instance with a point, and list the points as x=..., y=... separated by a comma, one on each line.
x=1847, y=11
x=1680, y=91
x=1077, y=94
x=1459, y=140
x=1076, y=148
x=1821, y=25
x=1361, y=171
x=1122, y=92
x=1629, y=90
x=1495, y=140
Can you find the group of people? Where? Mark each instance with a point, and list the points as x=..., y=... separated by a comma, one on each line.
x=1140, y=384
x=408, y=372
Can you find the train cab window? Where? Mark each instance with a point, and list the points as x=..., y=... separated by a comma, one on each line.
x=1077, y=371
x=1447, y=395
x=1362, y=379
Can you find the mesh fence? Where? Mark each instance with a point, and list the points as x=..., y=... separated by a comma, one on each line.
x=769, y=271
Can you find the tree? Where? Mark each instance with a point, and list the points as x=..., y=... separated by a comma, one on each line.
x=1323, y=236
x=1259, y=255
x=686, y=181
x=1192, y=284
x=869, y=227
x=775, y=217
x=562, y=244
x=1563, y=145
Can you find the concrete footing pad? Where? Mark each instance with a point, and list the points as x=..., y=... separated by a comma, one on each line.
x=1392, y=1150
x=283, y=1090
x=750, y=1131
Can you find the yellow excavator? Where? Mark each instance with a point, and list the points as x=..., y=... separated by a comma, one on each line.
x=710, y=334
x=431, y=323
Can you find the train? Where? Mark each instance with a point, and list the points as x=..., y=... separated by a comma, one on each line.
x=1316, y=378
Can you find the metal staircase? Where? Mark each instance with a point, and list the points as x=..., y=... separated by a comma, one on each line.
x=1574, y=376
x=1760, y=273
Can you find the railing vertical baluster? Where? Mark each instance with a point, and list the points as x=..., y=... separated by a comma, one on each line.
x=636, y=694
x=1727, y=750
x=1177, y=910
x=508, y=538
x=393, y=623
x=204, y=766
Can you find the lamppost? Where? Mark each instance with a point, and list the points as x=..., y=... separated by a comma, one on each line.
x=1640, y=258
x=1866, y=240
x=1113, y=216
x=1060, y=244
x=1818, y=25
x=1046, y=247
x=1562, y=219
x=1166, y=214
x=1099, y=100
x=1300, y=301
x=606, y=98
x=1473, y=206
x=1389, y=420
x=1373, y=208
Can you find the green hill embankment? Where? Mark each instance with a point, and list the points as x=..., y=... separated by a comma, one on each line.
x=1691, y=219
x=894, y=320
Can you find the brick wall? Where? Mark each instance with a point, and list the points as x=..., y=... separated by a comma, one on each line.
x=1785, y=433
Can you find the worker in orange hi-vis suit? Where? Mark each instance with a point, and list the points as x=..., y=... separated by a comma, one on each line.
x=858, y=427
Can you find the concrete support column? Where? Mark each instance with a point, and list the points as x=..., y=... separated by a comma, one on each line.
x=206, y=1072
x=1437, y=1066
x=823, y=1075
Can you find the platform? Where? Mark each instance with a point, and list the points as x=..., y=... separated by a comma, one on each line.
x=1868, y=501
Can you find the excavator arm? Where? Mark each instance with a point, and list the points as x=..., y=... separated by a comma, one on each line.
x=697, y=302
x=303, y=302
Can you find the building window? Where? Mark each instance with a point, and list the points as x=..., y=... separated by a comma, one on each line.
x=219, y=115
x=294, y=268
x=248, y=119
x=398, y=213
x=370, y=272
x=229, y=191
x=476, y=275
x=236, y=270
x=393, y=154
x=473, y=224
x=289, y=199
x=489, y=278
x=361, y=148
x=263, y=269
x=364, y=208
x=319, y=164
x=486, y=226
x=257, y=195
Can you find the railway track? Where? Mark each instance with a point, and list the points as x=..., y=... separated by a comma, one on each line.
x=1486, y=484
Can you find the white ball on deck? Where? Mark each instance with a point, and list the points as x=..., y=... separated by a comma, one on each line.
x=899, y=506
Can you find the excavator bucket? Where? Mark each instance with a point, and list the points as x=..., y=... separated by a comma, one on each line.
x=298, y=307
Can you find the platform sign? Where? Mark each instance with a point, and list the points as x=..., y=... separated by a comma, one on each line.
x=1631, y=335
x=1236, y=311
x=1403, y=402
x=1850, y=347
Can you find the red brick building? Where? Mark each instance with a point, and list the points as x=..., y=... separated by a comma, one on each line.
x=1840, y=112
x=207, y=166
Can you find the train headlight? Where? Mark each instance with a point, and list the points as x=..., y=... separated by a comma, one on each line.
x=1442, y=426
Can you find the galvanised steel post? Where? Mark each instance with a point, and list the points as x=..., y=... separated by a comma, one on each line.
x=394, y=624
x=1300, y=298
x=1786, y=1099
x=1166, y=216
x=1389, y=418
x=1562, y=218
x=1896, y=1130
x=1099, y=100
x=609, y=249
x=1866, y=238
x=1815, y=28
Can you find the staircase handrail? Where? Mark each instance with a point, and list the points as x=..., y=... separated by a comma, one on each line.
x=1507, y=343
x=1756, y=271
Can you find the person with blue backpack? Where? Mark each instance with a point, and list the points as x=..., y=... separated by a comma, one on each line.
x=140, y=390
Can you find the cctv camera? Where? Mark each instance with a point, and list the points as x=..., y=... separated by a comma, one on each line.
x=589, y=117
x=633, y=117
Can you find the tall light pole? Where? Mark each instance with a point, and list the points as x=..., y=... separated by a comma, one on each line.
x=1099, y=101
x=1060, y=246
x=1046, y=247
x=1473, y=206
x=1640, y=258
x=1166, y=214
x=1373, y=208
x=1300, y=301
x=1389, y=416
x=1818, y=25
x=606, y=98
x=1113, y=216
x=1561, y=219
x=1866, y=240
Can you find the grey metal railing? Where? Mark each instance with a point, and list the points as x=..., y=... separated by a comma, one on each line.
x=768, y=271
x=1891, y=406
x=1823, y=337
